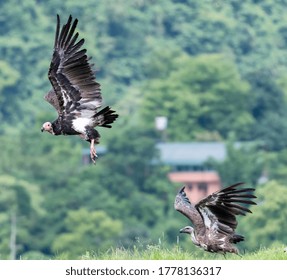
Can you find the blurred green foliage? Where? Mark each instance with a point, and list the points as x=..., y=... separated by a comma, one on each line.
x=216, y=69
x=267, y=224
x=86, y=229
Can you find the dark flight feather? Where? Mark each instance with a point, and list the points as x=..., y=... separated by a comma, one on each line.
x=70, y=73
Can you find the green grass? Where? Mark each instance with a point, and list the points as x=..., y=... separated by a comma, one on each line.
x=163, y=252
x=157, y=253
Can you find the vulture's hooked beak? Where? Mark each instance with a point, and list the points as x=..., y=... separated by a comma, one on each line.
x=42, y=129
x=185, y=230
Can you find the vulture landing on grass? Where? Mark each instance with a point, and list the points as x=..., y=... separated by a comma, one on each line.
x=75, y=95
x=214, y=217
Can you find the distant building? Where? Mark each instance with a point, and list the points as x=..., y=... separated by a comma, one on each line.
x=187, y=162
x=198, y=184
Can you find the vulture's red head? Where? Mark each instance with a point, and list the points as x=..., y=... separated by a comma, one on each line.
x=47, y=126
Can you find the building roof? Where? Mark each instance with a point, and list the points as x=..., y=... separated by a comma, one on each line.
x=191, y=153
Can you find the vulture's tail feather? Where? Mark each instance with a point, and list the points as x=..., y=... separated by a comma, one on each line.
x=106, y=116
x=236, y=238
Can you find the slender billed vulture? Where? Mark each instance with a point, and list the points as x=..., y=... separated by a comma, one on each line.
x=214, y=217
x=75, y=94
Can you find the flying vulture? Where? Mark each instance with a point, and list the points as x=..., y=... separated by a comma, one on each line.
x=75, y=94
x=214, y=217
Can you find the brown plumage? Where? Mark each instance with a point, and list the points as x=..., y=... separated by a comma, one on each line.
x=75, y=93
x=214, y=217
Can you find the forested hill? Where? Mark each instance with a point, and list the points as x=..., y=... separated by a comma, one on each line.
x=216, y=69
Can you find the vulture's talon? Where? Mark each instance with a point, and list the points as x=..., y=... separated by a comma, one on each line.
x=93, y=158
x=93, y=152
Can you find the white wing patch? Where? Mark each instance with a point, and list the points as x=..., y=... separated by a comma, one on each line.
x=87, y=109
x=66, y=98
x=86, y=113
x=206, y=217
x=92, y=105
x=80, y=124
x=210, y=220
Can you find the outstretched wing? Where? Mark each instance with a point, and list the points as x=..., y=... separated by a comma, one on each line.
x=219, y=209
x=183, y=205
x=52, y=98
x=71, y=75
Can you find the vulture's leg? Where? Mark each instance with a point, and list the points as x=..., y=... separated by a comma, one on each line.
x=93, y=136
x=93, y=151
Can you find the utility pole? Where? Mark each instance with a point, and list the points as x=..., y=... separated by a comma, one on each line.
x=13, y=234
x=161, y=126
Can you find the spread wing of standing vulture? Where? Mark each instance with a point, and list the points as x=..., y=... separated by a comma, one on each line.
x=214, y=217
x=75, y=94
